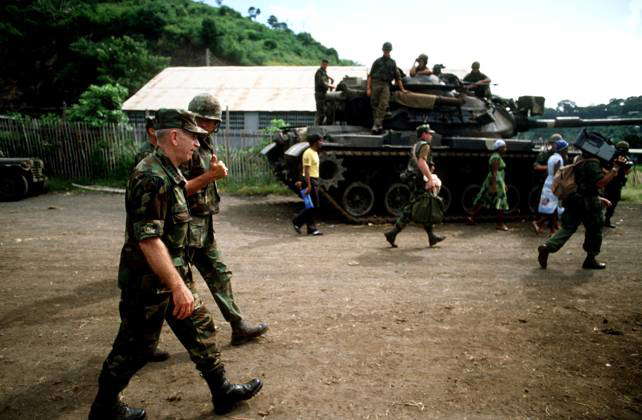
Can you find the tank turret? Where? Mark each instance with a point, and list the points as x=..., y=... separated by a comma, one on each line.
x=360, y=172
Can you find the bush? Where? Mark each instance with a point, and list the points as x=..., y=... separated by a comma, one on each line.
x=99, y=105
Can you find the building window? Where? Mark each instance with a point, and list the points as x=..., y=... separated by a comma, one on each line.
x=291, y=118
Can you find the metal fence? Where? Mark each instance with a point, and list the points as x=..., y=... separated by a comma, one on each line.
x=76, y=150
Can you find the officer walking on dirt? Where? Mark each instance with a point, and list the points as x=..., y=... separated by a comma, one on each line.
x=583, y=207
x=322, y=82
x=155, y=278
x=382, y=73
x=420, y=180
x=203, y=199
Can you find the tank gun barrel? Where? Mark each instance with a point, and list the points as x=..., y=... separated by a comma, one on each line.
x=570, y=122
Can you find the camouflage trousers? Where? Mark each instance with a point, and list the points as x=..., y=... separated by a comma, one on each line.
x=143, y=308
x=379, y=98
x=580, y=210
x=320, y=101
x=204, y=254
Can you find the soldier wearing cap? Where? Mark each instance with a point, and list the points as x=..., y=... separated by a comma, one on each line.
x=203, y=200
x=420, y=66
x=419, y=166
x=479, y=82
x=322, y=82
x=613, y=190
x=155, y=278
x=382, y=73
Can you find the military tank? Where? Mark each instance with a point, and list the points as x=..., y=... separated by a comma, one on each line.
x=360, y=171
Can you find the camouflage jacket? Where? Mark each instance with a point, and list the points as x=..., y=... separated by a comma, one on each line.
x=156, y=208
x=320, y=82
x=384, y=69
x=206, y=201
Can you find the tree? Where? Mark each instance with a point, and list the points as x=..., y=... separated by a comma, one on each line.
x=566, y=106
x=253, y=12
x=99, y=105
x=123, y=61
x=273, y=22
x=209, y=33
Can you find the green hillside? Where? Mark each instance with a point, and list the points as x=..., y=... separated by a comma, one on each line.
x=52, y=50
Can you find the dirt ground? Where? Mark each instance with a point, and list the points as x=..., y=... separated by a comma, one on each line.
x=469, y=329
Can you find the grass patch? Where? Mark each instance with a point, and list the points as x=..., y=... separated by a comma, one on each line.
x=632, y=191
x=254, y=188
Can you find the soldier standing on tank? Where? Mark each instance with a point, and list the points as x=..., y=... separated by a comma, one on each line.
x=382, y=73
x=420, y=180
x=420, y=66
x=478, y=81
x=322, y=82
x=156, y=281
x=583, y=207
x=203, y=199
x=613, y=190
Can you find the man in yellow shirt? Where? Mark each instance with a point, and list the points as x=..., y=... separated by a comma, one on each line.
x=311, y=181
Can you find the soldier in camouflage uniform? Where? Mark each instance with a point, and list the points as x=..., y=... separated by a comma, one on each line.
x=583, y=207
x=420, y=181
x=204, y=201
x=322, y=82
x=156, y=281
x=382, y=73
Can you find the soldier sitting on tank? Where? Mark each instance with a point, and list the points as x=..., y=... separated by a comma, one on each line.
x=420, y=66
x=478, y=81
x=382, y=73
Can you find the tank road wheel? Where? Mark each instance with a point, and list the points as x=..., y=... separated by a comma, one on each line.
x=446, y=196
x=331, y=171
x=514, y=198
x=13, y=186
x=397, y=195
x=358, y=199
x=533, y=198
x=468, y=197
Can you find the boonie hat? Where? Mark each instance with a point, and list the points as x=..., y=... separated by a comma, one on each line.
x=177, y=118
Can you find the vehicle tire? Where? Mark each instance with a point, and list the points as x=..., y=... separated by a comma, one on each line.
x=446, y=196
x=397, y=195
x=358, y=199
x=468, y=197
x=514, y=198
x=533, y=198
x=13, y=186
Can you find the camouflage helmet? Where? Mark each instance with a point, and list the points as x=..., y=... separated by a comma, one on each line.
x=423, y=57
x=622, y=145
x=206, y=106
x=387, y=46
x=424, y=128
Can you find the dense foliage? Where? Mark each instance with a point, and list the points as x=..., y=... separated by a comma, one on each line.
x=616, y=108
x=99, y=105
x=52, y=50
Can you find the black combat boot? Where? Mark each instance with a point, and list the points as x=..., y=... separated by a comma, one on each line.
x=590, y=263
x=542, y=256
x=242, y=332
x=108, y=405
x=226, y=395
x=433, y=239
x=391, y=235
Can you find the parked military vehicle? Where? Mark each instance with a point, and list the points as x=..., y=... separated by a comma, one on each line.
x=21, y=177
x=360, y=172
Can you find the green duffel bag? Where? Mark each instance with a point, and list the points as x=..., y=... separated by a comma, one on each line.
x=428, y=210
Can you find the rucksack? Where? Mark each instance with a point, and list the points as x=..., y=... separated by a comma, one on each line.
x=564, y=180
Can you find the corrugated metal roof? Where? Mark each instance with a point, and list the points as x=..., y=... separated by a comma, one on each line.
x=264, y=88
